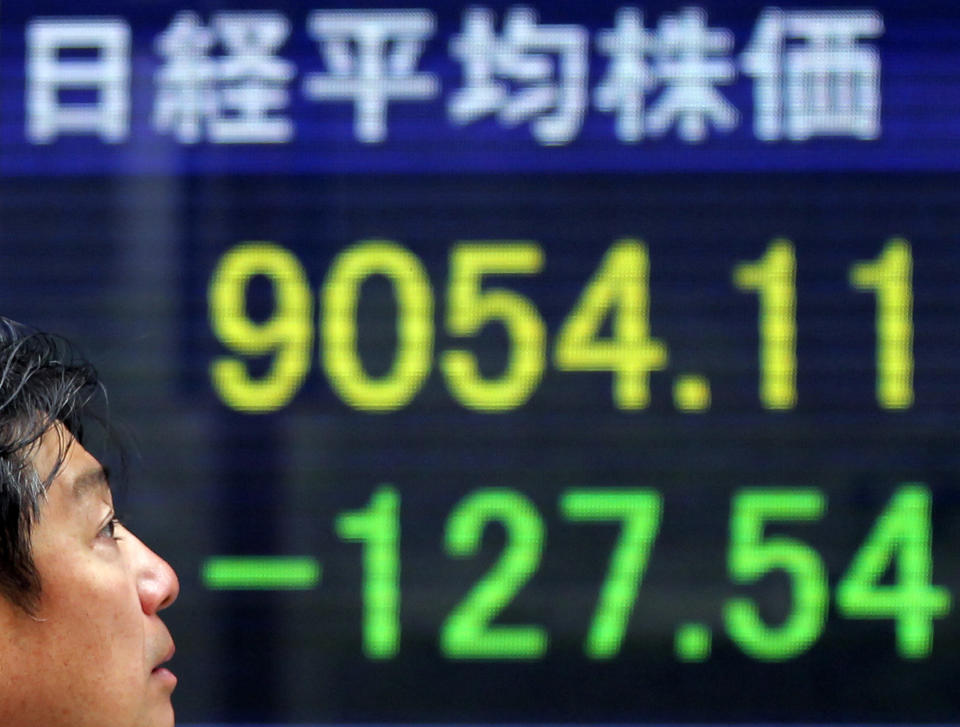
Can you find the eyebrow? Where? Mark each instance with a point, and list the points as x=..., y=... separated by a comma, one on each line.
x=93, y=479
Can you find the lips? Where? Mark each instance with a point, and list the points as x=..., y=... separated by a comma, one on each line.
x=161, y=674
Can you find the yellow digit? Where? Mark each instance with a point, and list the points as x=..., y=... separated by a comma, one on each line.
x=619, y=287
x=469, y=308
x=287, y=334
x=340, y=295
x=889, y=276
x=774, y=278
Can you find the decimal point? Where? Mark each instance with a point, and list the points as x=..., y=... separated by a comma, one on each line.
x=692, y=642
x=691, y=393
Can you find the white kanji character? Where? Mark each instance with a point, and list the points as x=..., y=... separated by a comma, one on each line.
x=629, y=77
x=476, y=47
x=687, y=64
x=371, y=58
x=827, y=84
x=230, y=98
x=107, y=75
x=252, y=79
x=551, y=92
x=186, y=92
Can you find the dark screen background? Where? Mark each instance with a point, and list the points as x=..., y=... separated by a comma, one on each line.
x=115, y=247
x=213, y=481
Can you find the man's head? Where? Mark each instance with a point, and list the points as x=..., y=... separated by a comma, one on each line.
x=80, y=640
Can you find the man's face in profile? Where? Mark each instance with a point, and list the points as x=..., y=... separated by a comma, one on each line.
x=91, y=655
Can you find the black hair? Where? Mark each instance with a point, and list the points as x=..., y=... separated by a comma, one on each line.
x=42, y=382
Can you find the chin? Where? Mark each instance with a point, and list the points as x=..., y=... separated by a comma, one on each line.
x=160, y=716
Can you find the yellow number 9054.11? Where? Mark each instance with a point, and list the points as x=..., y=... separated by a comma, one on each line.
x=617, y=292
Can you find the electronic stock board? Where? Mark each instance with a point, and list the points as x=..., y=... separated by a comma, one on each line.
x=515, y=363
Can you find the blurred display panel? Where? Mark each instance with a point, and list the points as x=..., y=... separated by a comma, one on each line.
x=513, y=364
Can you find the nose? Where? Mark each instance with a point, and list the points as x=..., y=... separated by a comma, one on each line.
x=157, y=583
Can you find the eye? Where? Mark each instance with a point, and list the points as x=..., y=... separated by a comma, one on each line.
x=110, y=529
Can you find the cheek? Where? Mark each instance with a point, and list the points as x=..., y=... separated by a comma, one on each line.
x=94, y=609
x=94, y=641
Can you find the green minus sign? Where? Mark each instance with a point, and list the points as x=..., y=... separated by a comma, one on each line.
x=260, y=572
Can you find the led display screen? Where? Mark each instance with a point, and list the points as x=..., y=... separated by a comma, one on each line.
x=514, y=364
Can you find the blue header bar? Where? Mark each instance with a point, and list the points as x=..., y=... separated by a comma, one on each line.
x=444, y=87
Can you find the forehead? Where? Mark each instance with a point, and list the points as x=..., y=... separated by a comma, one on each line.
x=77, y=472
x=90, y=481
